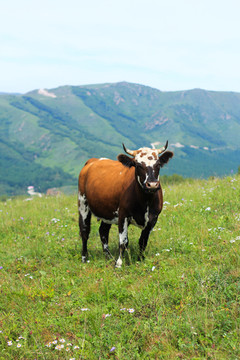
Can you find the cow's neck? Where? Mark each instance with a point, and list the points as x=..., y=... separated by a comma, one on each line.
x=146, y=197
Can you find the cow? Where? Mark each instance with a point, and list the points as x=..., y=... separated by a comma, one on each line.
x=122, y=192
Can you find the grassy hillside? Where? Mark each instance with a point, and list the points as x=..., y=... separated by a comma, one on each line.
x=54, y=132
x=182, y=302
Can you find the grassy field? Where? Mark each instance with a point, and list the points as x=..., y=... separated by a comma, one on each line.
x=180, y=303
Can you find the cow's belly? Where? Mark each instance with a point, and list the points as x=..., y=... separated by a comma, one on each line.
x=114, y=221
x=108, y=219
x=103, y=207
x=112, y=218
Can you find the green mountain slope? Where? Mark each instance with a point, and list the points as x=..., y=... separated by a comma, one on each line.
x=46, y=136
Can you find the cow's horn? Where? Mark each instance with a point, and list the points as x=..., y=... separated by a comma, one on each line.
x=129, y=152
x=162, y=149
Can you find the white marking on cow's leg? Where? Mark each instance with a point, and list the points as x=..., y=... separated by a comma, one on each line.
x=123, y=242
x=83, y=206
x=84, y=223
x=146, y=217
x=123, y=235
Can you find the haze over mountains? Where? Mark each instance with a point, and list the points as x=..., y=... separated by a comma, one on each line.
x=47, y=135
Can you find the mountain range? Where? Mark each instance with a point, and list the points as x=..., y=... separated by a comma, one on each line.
x=47, y=135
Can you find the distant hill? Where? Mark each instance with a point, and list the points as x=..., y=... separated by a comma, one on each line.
x=47, y=135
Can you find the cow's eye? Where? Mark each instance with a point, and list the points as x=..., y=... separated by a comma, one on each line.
x=156, y=167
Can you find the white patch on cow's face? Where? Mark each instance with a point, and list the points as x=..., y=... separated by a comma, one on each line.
x=147, y=156
x=103, y=159
x=123, y=235
x=83, y=206
x=147, y=168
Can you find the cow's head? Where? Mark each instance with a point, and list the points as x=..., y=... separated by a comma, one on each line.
x=147, y=163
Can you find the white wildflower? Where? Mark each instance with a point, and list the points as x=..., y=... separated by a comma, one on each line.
x=55, y=220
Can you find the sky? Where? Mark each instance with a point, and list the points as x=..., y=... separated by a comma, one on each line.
x=166, y=44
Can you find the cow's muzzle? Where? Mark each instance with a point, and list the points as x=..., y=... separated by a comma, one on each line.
x=152, y=186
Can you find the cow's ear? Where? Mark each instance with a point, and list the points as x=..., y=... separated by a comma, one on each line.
x=126, y=160
x=165, y=157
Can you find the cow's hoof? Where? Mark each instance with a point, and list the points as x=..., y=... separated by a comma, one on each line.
x=84, y=259
x=118, y=263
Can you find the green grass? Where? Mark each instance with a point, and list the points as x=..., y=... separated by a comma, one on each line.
x=184, y=295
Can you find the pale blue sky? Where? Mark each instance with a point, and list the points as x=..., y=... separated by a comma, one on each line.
x=166, y=44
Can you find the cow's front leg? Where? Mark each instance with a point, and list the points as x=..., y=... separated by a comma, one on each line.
x=123, y=239
x=104, y=234
x=143, y=240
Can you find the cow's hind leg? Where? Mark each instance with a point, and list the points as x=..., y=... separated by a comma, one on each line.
x=104, y=234
x=84, y=223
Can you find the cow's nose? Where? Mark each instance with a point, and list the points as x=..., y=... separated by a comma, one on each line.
x=152, y=185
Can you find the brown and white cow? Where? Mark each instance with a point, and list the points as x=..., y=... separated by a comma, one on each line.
x=122, y=192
